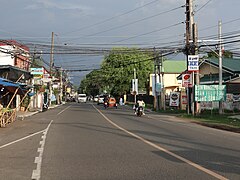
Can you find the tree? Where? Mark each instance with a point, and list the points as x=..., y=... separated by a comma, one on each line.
x=226, y=54
x=117, y=70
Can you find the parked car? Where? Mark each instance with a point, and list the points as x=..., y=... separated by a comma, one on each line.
x=82, y=98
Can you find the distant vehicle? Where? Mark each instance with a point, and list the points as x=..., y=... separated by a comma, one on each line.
x=95, y=99
x=82, y=98
x=112, y=102
x=100, y=99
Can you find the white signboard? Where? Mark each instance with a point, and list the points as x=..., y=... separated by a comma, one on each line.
x=135, y=85
x=174, y=99
x=187, y=80
x=193, y=61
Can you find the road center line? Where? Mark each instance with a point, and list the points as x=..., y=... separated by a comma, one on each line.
x=63, y=110
x=218, y=176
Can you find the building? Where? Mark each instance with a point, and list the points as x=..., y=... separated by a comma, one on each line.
x=171, y=69
x=14, y=66
x=14, y=54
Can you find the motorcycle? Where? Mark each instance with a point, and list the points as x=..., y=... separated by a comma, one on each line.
x=105, y=105
x=140, y=111
x=45, y=107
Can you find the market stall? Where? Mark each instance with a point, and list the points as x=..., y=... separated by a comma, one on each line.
x=8, y=92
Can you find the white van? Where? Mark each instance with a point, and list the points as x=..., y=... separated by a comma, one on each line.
x=82, y=98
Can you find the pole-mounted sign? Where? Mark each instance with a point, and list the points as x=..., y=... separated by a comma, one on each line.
x=193, y=62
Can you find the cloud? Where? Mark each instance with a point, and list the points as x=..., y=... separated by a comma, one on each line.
x=58, y=5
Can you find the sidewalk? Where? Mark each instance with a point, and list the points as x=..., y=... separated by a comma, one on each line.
x=22, y=114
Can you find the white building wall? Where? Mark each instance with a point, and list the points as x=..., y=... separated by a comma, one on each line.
x=6, y=58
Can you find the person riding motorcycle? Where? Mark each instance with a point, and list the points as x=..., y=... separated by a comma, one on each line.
x=105, y=101
x=140, y=103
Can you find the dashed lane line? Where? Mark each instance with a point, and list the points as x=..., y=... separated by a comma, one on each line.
x=63, y=110
x=36, y=174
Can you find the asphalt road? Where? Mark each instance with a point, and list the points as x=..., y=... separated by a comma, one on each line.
x=86, y=141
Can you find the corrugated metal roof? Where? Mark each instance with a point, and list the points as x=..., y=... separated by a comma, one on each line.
x=228, y=63
x=174, y=67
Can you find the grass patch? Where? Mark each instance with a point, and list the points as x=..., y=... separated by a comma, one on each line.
x=215, y=118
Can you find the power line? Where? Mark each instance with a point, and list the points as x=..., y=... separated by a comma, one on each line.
x=203, y=6
x=228, y=22
x=149, y=32
x=134, y=22
x=111, y=18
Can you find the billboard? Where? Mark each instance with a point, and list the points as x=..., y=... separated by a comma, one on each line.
x=210, y=93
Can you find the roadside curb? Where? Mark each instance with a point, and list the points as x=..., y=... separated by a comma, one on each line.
x=219, y=126
x=28, y=114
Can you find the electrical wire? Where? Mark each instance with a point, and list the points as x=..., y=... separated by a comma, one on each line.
x=111, y=18
x=168, y=27
x=134, y=22
x=202, y=6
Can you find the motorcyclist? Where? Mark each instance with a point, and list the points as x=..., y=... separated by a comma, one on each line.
x=140, y=103
x=105, y=101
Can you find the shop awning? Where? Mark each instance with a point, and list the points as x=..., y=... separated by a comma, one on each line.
x=14, y=73
x=12, y=87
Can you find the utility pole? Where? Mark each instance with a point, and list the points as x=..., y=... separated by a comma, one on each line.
x=61, y=84
x=195, y=42
x=189, y=26
x=134, y=85
x=155, y=81
x=160, y=82
x=187, y=51
x=220, y=62
x=51, y=54
x=51, y=68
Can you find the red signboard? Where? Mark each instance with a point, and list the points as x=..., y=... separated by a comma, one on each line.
x=187, y=80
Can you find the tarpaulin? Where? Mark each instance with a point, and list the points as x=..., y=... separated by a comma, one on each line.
x=11, y=86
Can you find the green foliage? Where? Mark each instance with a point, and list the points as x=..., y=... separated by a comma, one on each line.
x=117, y=71
x=37, y=62
x=226, y=54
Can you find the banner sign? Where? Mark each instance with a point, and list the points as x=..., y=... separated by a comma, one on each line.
x=210, y=93
x=37, y=71
x=193, y=62
x=174, y=99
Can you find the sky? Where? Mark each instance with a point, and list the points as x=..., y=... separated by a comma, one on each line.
x=107, y=23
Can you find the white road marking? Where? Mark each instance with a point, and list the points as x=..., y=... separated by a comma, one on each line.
x=63, y=110
x=36, y=174
x=13, y=142
x=218, y=176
